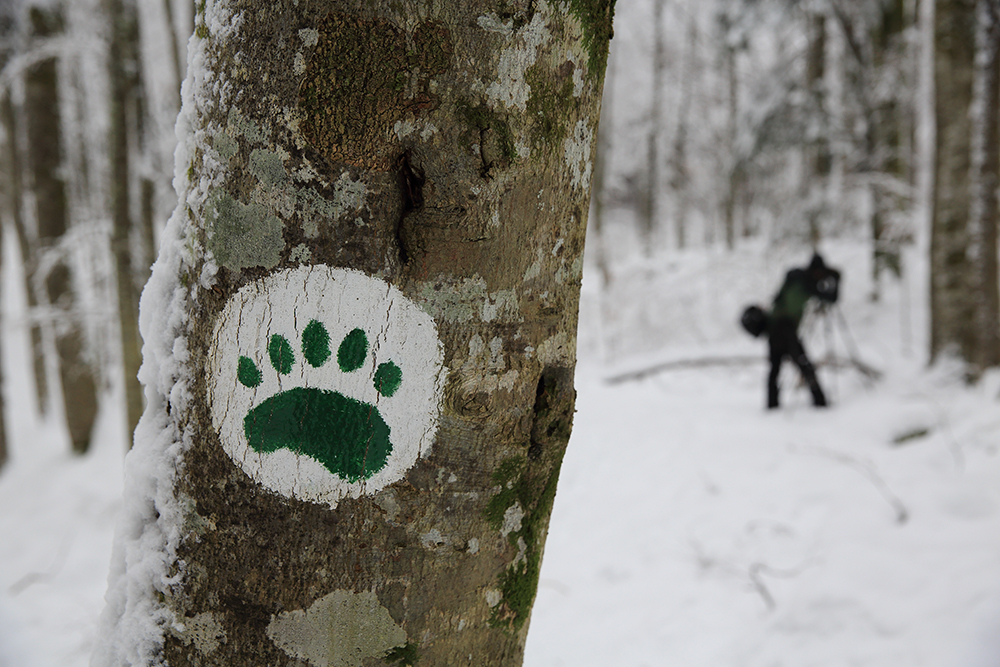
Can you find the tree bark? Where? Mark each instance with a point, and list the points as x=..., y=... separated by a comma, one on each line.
x=360, y=335
x=951, y=308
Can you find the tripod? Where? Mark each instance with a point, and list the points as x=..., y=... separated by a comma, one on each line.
x=869, y=373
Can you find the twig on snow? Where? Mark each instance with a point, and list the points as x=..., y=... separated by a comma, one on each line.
x=756, y=569
x=868, y=470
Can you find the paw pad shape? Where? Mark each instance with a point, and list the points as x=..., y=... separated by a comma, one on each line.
x=324, y=382
x=349, y=437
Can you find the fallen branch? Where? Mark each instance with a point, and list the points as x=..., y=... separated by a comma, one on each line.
x=707, y=362
x=683, y=364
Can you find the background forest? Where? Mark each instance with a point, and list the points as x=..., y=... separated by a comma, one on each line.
x=736, y=137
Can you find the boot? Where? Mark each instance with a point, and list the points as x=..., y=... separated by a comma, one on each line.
x=772, y=396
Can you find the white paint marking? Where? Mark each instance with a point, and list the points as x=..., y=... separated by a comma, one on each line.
x=284, y=303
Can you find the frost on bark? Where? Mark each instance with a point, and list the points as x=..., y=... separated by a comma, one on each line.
x=360, y=335
x=951, y=308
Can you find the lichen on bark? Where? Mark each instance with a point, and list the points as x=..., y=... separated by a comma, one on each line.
x=241, y=235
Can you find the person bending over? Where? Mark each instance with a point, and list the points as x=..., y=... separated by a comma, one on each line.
x=815, y=281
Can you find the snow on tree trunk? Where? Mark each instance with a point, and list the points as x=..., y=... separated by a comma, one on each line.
x=360, y=335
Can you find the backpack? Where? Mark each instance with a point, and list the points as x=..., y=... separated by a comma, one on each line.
x=754, y=320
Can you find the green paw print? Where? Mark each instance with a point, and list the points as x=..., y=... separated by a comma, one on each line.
x=349, y=437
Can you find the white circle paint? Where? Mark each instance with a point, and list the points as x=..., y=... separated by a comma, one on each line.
x=283, y=305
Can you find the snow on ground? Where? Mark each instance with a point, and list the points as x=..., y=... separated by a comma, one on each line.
x=691, y=527
x=57, y=511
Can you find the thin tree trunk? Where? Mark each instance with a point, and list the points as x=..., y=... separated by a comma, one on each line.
x=10, y=217
x=818, y=155
x=680, y=181
x=987, y=321
x=9, y=199
x=15, y=144
x=361, y=335
x=951, y=308
x=176, y=59
x=735, y=164
x=653, y=155
x=44, y=132
x=123, y=69
x=885, y=138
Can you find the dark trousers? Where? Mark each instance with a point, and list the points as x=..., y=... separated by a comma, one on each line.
x=783, y=341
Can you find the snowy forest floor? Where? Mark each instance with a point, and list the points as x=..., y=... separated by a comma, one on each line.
x=691, y=527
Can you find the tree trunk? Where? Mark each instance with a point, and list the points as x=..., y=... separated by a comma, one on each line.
x=653, y=155
x=175, y=50
x=885, y=142
x=987, y=322
x=50, y=261
x=735, y=162
x=126, y=118
x=951, y=280
x=8, y=203
x=818, y=149
x=10, y=192
x=680, y=178
x=360, y=335
x=16, y=188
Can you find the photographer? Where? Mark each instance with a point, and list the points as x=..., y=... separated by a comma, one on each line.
x=816, y=280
